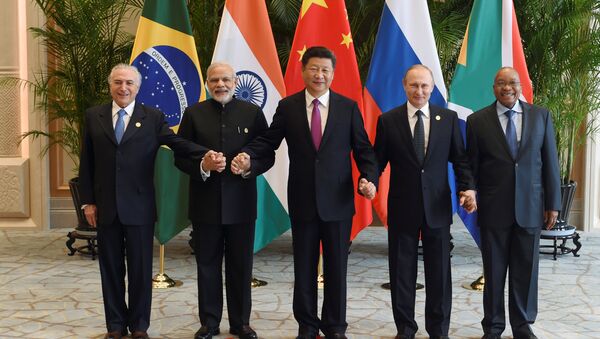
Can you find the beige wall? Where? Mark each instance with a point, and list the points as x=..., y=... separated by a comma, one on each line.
x=23, y=174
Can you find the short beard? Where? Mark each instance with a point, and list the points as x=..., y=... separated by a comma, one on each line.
x=223, y=100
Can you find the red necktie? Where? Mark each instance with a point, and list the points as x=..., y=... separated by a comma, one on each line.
x=315, y=124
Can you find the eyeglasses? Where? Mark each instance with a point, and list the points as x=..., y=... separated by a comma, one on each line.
x=226, y=80
x=504, y=83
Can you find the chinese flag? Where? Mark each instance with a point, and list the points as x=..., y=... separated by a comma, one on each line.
x=325, y=23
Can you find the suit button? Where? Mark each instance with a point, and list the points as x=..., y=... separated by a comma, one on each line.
x=422, y=171
x=517, y=165
x=223, y=125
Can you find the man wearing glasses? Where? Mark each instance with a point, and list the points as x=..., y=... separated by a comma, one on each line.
x=515, y=164
x=222, y=206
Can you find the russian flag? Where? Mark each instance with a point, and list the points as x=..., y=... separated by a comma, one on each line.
x=405, y=38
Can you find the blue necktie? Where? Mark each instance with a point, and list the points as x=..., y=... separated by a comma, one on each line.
x=511, y=134
x=419, y=137
x=120, y=126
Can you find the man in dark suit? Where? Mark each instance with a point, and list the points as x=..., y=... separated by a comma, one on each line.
x=321, y=128
x=117, y=192
x=222, y=206
x=418, y=139
x=513, y=155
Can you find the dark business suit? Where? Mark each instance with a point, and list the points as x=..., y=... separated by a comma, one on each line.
x=118, y=179
x=321, y=200
x=222, y=208
x=419, y=200
x=512, y=197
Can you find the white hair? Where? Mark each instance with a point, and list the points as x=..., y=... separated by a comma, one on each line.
x=126, y=67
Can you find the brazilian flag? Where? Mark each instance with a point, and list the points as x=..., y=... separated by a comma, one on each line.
x=165, y=53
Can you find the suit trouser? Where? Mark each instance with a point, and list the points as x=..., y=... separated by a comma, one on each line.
x=114, y=241
x=403, y=244
x=515, y=249
x=335, y=238
x=235, y=242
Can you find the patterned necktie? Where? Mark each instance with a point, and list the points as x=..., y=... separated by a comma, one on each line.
x=120, y=126
x=419, y=137
x=511, y=134
x=315, y=124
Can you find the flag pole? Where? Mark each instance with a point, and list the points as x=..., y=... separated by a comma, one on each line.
x=161, y=280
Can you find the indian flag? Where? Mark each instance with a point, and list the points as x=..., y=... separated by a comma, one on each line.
x=165, y=53
x=245, y=41
x=492, y=41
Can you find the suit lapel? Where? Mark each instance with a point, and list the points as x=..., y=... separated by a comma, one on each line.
x=135, y=123
x=331, y=117
x=525, y=127
x=497, y=130
x=434, y=125
x=401, y=120
x=302, y=117
x=105, y=118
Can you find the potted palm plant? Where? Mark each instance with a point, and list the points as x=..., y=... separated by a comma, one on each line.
x=83, y=39
x=561, y=41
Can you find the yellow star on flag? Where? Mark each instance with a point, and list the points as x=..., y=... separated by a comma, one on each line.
x=346, y=39
x=301, y=52
x=307, y=3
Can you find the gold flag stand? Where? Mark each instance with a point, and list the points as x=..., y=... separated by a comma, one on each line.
x=257, y=283
x=161, y=280
x=320, y=277
x=476, y=285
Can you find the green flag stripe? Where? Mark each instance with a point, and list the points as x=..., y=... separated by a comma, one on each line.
x=472, y=85
x=172, y=14
x=272, y=218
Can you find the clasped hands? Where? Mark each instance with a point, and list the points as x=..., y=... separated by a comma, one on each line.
x=213, y=161
x=468, y=200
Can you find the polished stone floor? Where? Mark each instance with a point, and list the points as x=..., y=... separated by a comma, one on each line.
x=46, y=294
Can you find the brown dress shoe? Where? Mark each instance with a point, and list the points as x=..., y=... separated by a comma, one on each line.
x=139, y=335
x=113, y=335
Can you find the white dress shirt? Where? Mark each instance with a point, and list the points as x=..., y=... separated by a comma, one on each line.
x=115, y=113
x=412, y=120
x=323, y=108
x=516, y=118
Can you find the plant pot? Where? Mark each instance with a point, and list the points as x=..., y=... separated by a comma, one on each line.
x=562, y=227
x=83, y=227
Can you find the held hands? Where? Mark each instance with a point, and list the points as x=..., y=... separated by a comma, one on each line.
x=240, y=164
x=367, y=188
x=213, y=161
x=550, y=218
x=468, y=201
x=91, y=214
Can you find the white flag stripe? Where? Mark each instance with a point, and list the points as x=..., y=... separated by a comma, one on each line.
x=406, y=12
x=231, y=47
x=507, y=44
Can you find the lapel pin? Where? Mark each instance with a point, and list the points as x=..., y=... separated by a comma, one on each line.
x=438, y=118
x=246, y=130
x=138, y=124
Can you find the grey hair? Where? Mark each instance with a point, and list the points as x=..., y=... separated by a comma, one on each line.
x=132, y=68
x=219, y=64
x=415, y=66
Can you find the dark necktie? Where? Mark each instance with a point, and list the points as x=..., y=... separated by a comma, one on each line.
x=120, y=126
x=419, y=137
x=315, y=124
x=511, y=134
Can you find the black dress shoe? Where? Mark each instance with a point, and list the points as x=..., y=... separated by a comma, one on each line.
x=139, y=335
x=439, y=337
x=244, y=332
x=336, y=335
x=404, y=336
x=491, y=336
x=206, y=332
x=525, y=336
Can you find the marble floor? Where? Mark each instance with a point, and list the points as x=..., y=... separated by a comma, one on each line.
x=44, y=293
